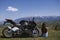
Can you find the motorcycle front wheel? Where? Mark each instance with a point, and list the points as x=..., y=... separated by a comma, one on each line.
x=7, y=33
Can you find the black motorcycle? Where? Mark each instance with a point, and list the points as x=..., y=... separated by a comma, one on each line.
x=28, y=27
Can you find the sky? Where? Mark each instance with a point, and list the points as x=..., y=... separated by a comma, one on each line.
x=14, y=9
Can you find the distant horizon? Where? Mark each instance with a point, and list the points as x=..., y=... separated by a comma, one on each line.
x=30, y=16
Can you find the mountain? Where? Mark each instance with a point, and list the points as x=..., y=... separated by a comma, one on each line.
x=39, y=19
x=36, y=19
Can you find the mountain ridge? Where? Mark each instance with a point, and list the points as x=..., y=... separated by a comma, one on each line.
x=38, y=18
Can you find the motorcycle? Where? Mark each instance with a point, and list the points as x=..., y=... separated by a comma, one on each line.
x=23, y=27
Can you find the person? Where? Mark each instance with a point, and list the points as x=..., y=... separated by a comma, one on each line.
x=44, y=30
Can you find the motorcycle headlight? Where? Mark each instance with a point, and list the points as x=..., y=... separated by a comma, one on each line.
x=26, y=29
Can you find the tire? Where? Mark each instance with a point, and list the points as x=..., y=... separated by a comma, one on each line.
x=6, y=33
x=35, y=33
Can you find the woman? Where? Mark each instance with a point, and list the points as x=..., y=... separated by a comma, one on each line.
x=44, y=30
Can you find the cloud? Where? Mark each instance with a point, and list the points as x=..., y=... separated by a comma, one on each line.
x=10, y=8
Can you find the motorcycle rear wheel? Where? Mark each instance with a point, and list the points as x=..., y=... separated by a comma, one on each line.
x=7, y=33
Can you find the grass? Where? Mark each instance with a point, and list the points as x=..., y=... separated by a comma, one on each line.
x=53, y=35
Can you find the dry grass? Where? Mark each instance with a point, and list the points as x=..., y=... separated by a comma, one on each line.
x=53, y=35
